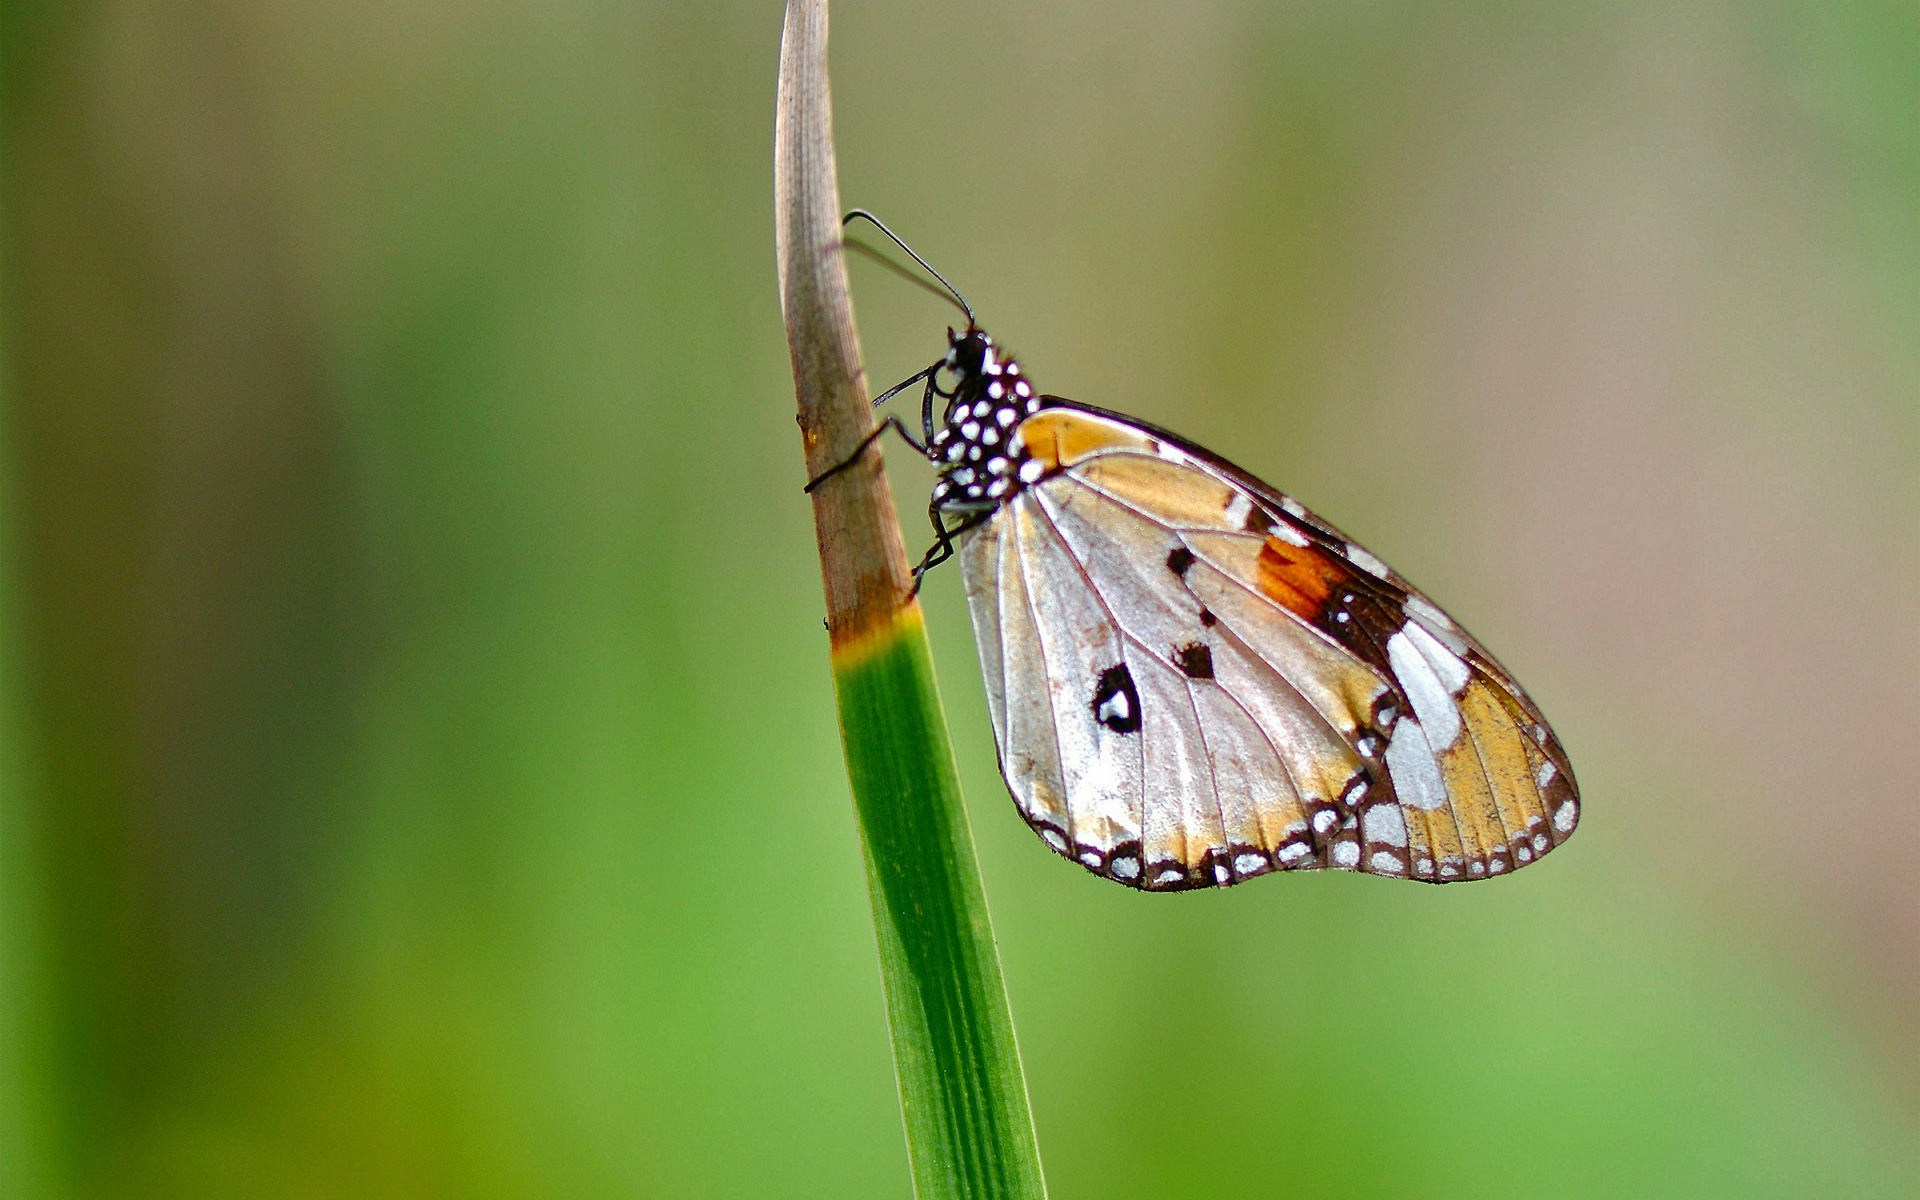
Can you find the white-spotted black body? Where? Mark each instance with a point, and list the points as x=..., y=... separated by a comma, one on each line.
x=977, y=445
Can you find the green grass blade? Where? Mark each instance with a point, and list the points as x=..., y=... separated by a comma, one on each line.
x=962, y=1093
x=969, y=1130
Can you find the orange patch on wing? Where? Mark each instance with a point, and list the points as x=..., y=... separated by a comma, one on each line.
x=1061, y=437
x=1503, y=756
x=1299, y=578
x=1474, y=806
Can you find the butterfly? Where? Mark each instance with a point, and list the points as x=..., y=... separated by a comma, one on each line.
x=1193, y=679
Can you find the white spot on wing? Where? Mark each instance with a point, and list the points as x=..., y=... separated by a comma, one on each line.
x=1544, y=775
x=1247, y=864
x=1385, y=863
x=1419, y=606
x=1450, y=667
x=1289, y=505
x=1432, y=698
x=1564, y=815
x=1439, y=624
x=1346, y=854
x=1291, y=851
x=1238, y=509
x=1125, y=867
x=1359, y=557
x=1289, y=534
x=1416, y=776
x=1383, y=823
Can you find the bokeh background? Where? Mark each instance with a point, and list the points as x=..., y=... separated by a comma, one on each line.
x=420, y=770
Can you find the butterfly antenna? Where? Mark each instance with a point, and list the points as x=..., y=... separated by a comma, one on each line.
x=882, y=227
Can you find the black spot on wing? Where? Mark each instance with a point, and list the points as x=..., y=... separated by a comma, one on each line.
x=1116, y=703
x=1196, y=659
x=1179, y=560
x=1362, y=618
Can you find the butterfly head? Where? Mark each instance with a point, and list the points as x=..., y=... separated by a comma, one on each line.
x=971, y=363
x=976, y=446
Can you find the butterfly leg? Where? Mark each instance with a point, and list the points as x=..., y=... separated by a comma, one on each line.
x=942, y=550
x=892, y=423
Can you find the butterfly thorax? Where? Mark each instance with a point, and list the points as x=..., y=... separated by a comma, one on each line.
x=977, y=446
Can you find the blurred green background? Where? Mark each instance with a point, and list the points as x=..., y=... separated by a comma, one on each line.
x=420, y=770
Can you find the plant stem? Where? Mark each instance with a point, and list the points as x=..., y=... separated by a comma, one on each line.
x=962, y=1094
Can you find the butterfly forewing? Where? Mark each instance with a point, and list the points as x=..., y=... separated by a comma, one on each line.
x=1193, y=680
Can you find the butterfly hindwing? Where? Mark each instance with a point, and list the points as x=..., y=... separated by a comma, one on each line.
x=1193, y=680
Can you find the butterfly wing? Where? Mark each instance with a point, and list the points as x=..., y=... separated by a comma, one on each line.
x=1193, y=681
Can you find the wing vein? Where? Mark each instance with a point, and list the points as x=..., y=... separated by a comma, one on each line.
x=1213, y=773
x=1260, y=729
x=1363, y=581
x=1493, y=794
x=1126, y=636
x=1220, y=569
x=1017, y=530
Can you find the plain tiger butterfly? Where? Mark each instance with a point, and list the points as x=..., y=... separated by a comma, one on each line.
x=1193, y=679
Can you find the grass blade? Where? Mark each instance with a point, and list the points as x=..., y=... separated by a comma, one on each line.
x=962, y=1094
